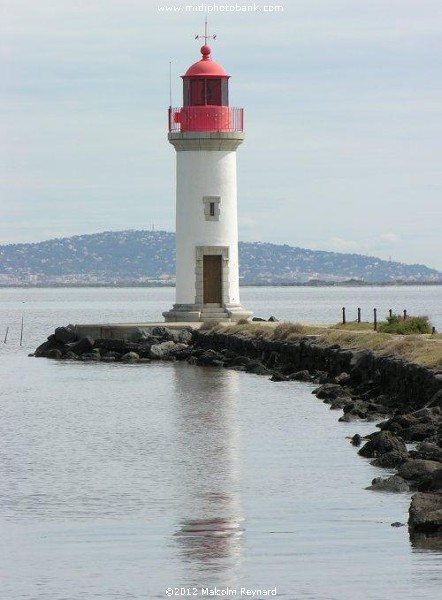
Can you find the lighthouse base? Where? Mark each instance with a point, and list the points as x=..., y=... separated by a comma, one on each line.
x=206, y=313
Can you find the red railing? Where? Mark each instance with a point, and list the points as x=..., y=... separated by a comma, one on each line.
x=206, y=118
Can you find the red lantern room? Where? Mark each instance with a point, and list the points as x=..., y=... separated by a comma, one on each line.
x=205, y=99
x=205, y=83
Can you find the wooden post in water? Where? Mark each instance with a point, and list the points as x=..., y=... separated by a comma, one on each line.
x=375, y=319
x=343, y=316
x=6, y=335
x=433, y=330
x=390, y=312
x=405, y=314
x=359, y=315
x=21, y=332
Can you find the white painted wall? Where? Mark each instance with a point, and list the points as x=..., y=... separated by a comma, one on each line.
x=205, y=173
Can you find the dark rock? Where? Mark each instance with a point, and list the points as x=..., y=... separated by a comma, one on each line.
x=160, y=332
x=278, y=377
x=397, y=524
x=111, y=355
x=340, y=402
x=70, y=355
x=387, y=449
x=300, y=376
x=257, y=368
x=65, y=335
x=273, y=319
x=330, y=391
x=93, y=356
x=356, y=440
x=258, y=319
x=418, y=472
x=434, y=483
x=108, y=358
x=50, y=344
x=419, y=432
x=83, y=345
x=425, y=514
x=143, y=335
x=210, y=358
x=361, y=366
x=54, y=353
x=110, y=345
x=130, y=357
x=394, y=484
x=428, y=451
x=348, y=418
x=342, y=378
x=322, y=377
x=436, y=400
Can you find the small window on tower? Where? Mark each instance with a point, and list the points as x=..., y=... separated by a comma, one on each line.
x=212, y=208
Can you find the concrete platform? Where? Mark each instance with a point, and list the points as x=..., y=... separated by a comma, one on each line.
x=124, y=331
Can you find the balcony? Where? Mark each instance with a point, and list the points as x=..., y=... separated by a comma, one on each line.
x=206, y=119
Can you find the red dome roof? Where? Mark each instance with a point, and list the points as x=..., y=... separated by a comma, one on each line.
x=205, y=67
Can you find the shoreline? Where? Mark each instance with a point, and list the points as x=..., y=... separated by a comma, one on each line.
x=404, y=396
x=310, y=284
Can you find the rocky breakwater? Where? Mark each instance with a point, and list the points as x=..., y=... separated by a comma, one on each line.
x=403, y=398
x=144, y=345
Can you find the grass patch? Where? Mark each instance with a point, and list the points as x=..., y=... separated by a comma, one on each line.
x=409, y=326
x=422, y=349
x=283, y=330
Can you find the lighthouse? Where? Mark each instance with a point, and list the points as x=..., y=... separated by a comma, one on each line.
x=206, y=133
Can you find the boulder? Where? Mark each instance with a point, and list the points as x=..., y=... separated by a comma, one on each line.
x=356, y=440
x=273, y=319
x=258, y=319
x=257, y=368
x=393, y=484
x=142, y=335
x=388, y=450
x=342, y=378
x=111, y=355
x=65, y=335
x=210, y=358
x=436, y=400
x=418, y=472
x=340, y=402
x=330, y=391
x=164, y=350
x=70, y=355
x=278, y=377
x=425, y=514
x=428, y=451
x=300, y=376
x=54, y=353
x=130, y=357
x=83, y=345
x=434, y=483
x=90, y=356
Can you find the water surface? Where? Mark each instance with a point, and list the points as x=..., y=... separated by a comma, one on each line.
x=119, y=481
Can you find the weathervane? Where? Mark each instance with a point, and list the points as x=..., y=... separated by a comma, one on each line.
x=206, y=36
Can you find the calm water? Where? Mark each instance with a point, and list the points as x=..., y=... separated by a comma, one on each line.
x=119, y=481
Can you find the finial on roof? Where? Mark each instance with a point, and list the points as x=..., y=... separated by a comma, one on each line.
x=205, y=50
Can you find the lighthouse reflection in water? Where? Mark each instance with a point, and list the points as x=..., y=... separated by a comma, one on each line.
x=210, y=530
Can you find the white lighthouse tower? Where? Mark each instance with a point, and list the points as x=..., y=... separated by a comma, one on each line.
x=206, y=133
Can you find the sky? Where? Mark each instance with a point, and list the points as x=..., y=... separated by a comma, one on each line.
x=343, y=119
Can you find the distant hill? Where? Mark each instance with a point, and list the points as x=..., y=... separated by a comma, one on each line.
x=118, y=257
